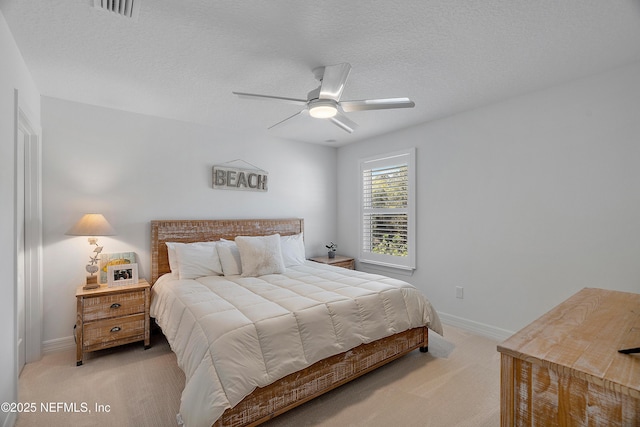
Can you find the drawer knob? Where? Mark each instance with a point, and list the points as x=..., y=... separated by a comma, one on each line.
x=115, y=305
x=115, y=329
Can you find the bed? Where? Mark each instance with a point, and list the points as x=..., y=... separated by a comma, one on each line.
x=290, y=376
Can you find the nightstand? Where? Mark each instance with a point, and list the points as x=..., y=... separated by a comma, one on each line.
x=112, y=316
x=338, y=261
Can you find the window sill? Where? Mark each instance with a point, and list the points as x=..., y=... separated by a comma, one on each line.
x=387, y=267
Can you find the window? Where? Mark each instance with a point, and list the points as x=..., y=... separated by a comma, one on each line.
x=387, y=222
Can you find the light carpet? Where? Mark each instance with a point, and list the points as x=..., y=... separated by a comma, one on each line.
x=456, y=384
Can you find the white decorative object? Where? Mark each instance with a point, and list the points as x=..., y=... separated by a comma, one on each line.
x=122, y=274
x=260, y=255
x=92, y=225
x=114, y=259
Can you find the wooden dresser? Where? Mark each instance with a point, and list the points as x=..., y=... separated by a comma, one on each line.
x=108, y=317
x=564, y=369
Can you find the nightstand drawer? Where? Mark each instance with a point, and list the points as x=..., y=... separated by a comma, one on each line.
x=345, y=264
x=337, y=261
x=108, y=306
x=110, y=332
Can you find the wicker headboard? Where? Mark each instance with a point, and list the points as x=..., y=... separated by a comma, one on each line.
x=186, y=231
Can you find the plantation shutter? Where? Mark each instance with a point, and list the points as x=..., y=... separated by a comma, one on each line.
x=387, y=210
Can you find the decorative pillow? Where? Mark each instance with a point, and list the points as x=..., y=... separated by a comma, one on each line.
x=197, y=260
x=229, y=257
x=292, y=250
x=260, y=255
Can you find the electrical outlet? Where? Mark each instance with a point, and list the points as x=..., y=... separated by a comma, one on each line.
x=459, y=292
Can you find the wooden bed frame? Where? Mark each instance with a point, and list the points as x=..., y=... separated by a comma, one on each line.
x=295, y=389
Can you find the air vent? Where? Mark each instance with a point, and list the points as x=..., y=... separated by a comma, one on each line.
x=126, y=8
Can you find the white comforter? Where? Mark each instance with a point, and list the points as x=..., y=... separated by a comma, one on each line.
x=233, y=334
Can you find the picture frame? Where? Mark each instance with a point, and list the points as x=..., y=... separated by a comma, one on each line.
x=114, y=259
x=122, y=274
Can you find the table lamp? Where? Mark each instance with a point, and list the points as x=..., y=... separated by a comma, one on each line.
x=92, y=225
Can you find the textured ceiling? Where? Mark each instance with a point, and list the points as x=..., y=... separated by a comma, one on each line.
x=182, y=59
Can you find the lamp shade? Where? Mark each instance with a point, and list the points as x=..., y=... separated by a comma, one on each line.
x=92, y=225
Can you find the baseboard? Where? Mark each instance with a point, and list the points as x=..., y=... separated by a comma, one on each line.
x=58, y=344
x=475, y=327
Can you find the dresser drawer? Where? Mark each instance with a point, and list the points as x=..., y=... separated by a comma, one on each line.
x=110, y=332
x=108, y=306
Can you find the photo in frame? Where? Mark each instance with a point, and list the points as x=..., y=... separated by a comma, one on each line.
x=122, y=274
x=114, y=259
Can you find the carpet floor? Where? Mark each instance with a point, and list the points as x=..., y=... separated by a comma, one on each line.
x=456, y=384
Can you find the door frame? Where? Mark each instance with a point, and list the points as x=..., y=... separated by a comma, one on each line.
x=32, y=170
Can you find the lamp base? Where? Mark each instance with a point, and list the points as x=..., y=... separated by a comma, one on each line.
x=92, y=283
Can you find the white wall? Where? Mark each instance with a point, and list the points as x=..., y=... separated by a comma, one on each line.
x=13, y=75
x=135, y=168
x=522, y=203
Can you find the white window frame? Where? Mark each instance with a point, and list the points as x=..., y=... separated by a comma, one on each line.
x=407, y=157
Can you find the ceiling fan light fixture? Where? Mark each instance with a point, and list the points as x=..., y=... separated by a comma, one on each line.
x=324, y=102
x=323, y=109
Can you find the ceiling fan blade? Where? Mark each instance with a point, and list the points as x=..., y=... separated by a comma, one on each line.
x=343, y=122
x=290, y=117
x=377, y=104
x=333, y=81
x=269, y=97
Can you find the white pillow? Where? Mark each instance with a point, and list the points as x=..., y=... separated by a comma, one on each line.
x=229, y=257
x=197, y=260
x=260, y=255
x=292, y=250
x=173, y=260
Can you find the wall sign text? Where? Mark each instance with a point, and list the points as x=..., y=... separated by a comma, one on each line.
x=233, y=178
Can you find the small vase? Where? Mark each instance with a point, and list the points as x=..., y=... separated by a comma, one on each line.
x=332, y=254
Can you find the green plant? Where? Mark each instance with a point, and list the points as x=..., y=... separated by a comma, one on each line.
x=332, y=247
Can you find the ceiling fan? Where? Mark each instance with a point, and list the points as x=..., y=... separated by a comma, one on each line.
x=324, y=101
